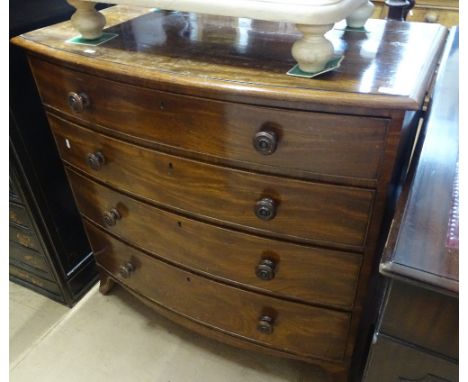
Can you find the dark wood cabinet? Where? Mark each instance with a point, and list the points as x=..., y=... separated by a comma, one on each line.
x=417, y=335
x=243, y=203
x=49, y=251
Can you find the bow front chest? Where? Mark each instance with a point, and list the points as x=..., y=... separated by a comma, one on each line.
x=243, y=203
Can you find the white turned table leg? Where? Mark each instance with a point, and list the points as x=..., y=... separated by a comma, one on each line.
x=359, y=17
x=313, y=51
x=87, y=20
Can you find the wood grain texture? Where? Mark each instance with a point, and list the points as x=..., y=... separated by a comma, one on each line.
x=106, y=283
x=186, y=165
x=20, y=255
x=419, y=320
x=338, y=370
x=298, y=328
x=21, y=275
x=306, y=211
x=219, y=57
x=445, y=12
x=18, y=215
x=416, y=247
x=447, y=4
x=392, y=361
x=221, y=130
x=447, y=17
x=303, y=273
x=421, y=317
x=24, y=237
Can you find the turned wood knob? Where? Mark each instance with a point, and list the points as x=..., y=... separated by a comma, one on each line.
x=265, y=142
x=110, y=217
x=431, y=17
x=126, y=270
x=265, y=325
x=266, y=270
x=78, y=102
x=265, y=209
x=95, y=160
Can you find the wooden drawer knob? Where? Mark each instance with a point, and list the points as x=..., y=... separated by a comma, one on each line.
x=96, y=160
x=78, y=102
x=265, y=325
x=266, y=270
x=265, y=142
x=431, y=17
x=111, y=217
x=126, y=270
x=265, y=209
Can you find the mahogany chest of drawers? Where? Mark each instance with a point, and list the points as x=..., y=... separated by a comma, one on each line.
x=243, y=203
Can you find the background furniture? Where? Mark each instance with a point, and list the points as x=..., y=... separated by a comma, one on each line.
x=417, y=335
x=238, y=201
x=444, y=12
x=49, y=251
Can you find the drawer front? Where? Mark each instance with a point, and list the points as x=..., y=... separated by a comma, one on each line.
x=454, y=4
x=297, y=209
x=445, y=17
x=438, y=331
x=24, y=237
x=307, y=144
x=297, y=328
x=288, y=270
x=33, y=279
x=14, y=192
x=392, y=361
x=31, y=259
x=19, y=215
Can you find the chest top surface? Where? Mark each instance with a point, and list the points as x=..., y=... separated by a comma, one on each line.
x=387, y=66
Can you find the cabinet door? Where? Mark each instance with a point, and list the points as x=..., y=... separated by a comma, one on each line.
x=392, y=361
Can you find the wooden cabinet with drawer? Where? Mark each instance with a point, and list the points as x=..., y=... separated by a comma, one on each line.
x=256, y=200
x=417, y=336
x=445, y=12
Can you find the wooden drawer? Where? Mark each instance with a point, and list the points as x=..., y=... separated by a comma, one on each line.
x=297, y=328
x=310, y=145
x=307, y=274
x=443, y=12
x=14, y=193
x=438, y=331
x=23, y=256
x=391, y=360
x=434, y=15
x=24, y=237
x=34, y=280
x=454, y=4
x=19, y=215
x=308, y=211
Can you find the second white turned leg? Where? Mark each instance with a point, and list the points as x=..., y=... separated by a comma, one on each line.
x=313, y=51
x=359, y=17
x=87, y=20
